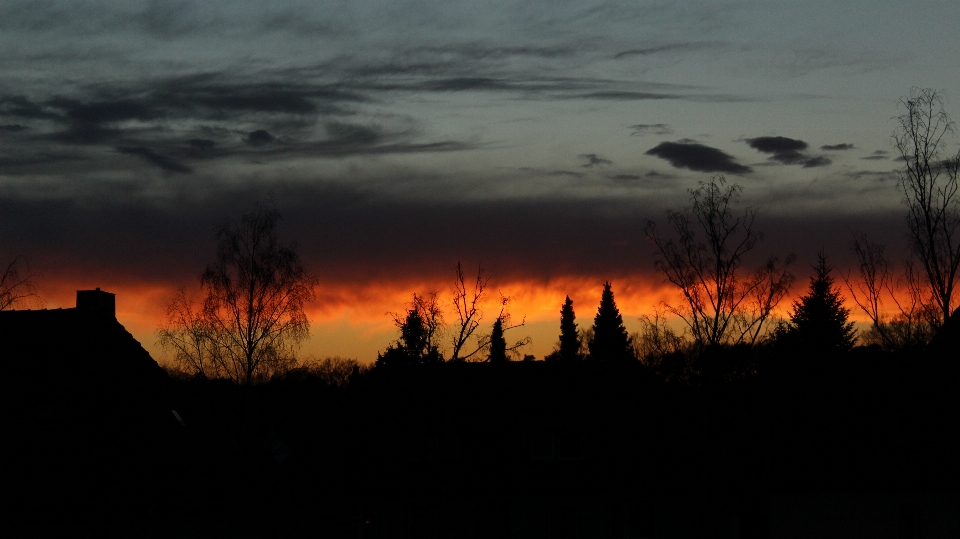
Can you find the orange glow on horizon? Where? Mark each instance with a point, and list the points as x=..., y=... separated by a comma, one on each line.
x=353, y=320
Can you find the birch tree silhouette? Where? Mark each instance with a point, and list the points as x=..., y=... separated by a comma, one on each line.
x=252, y=318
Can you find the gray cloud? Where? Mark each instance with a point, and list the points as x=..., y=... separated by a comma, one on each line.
x=651, y=129
x=787, y=151
x=163, y=162
x=199, y=147
x=877, y=155
x=137, y=120
x=697, y=157
x=837, y=147
x=776, y=145
x=673, y=47
x=651, y=179
x=625, y=95
x=260, y=137
x=878, y=176
x=570, y=173
x=170, y=19
x=593, y=160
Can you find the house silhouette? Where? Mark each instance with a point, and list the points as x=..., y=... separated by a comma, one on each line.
x=88, y=414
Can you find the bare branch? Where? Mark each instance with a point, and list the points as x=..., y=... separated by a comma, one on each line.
x=252, y=318
x=929, y=184
x=17, y=289
x=467, y=306
x=721, y=304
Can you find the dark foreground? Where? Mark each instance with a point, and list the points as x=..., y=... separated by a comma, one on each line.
x=749, y=443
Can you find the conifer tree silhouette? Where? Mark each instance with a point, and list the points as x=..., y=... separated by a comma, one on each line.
x=569, y=337
x=819, y=319
x=610, y=341
x=498, y=344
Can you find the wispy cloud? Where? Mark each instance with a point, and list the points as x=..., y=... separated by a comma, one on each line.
x=668, y=48
x=593, y=160
x=650, y=129
x=877, y=155
x=163, y=162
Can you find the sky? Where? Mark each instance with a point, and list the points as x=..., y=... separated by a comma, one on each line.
x=397, y=138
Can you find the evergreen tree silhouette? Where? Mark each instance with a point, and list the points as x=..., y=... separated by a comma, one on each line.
x=610, y=341
x=498, y=344
x=819, y=319
x=569, y=337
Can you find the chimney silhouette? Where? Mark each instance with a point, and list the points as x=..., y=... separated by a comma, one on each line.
x=97, y=301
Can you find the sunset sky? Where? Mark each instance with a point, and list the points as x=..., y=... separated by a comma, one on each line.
x=396, y=138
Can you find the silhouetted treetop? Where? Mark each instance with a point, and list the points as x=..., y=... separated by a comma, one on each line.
x=569, y=337
x=819, y=319
x=498, y=344
x=610, y=341
x=419, y=329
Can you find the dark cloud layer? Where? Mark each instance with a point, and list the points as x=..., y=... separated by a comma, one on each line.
x=345, y=235
x=350, y=236
x=697, y=157
x=787, y=151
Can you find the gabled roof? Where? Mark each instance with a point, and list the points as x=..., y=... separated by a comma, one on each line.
x=65, y=350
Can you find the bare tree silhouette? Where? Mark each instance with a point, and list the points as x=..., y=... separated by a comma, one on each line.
x=187, y=334
x=916, y=318
x=659, y=346
x=467, y=305
x=16, y=286
x=723, y=304
x=495, y=343
x=252, y=318
x=929, y=183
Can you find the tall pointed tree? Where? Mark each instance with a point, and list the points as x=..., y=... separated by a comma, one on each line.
x=610, y=341
x=819, y=319
x=569, y=337
x=498, y=344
